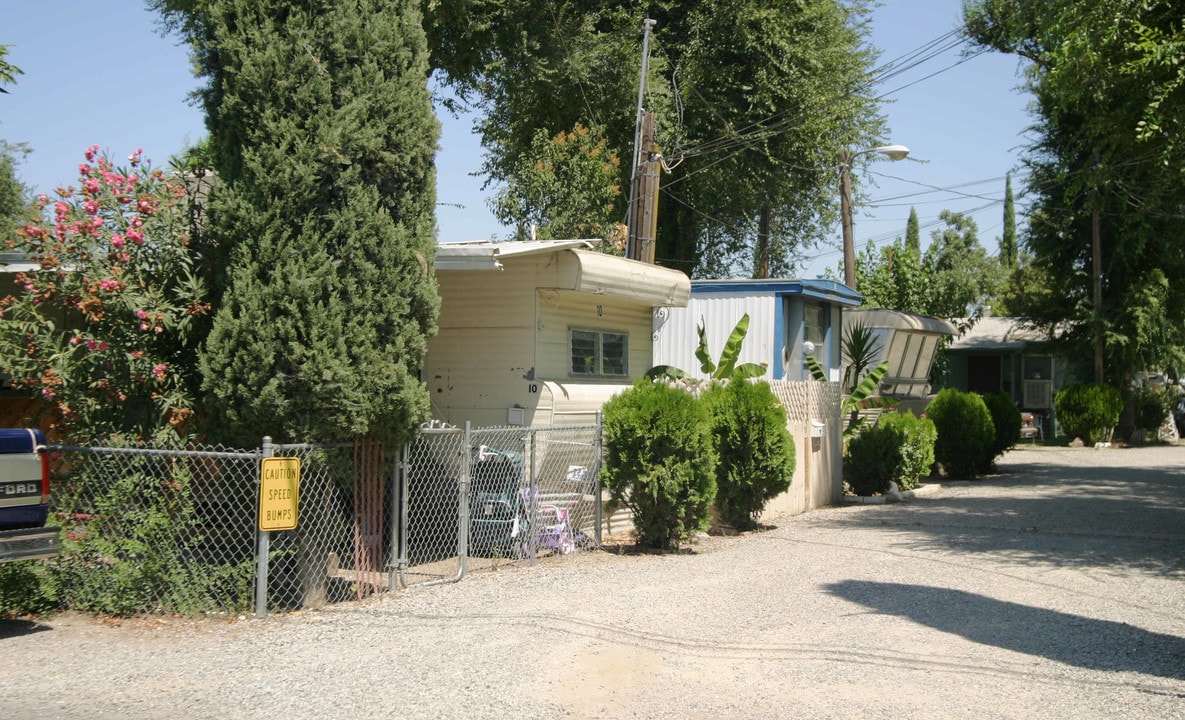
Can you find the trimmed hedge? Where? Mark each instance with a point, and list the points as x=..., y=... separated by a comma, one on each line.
x=754, y=448
x=1006, y=423
x=659, y=461
x=965, y=433
x=1087, y=410
x=899, y=448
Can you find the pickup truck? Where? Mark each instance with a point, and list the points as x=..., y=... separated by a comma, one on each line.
x=24, y=497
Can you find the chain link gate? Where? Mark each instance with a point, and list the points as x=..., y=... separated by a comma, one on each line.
x=476, y=499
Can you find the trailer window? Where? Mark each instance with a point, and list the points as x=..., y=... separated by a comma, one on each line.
x=599, y=353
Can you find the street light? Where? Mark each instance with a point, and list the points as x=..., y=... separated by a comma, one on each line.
x=893, y=152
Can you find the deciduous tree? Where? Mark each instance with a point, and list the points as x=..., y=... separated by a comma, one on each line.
x=1107, y=166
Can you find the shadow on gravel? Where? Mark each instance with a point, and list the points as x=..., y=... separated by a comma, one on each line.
x=1070, y=639
x=15, y=628
x=1042, y=513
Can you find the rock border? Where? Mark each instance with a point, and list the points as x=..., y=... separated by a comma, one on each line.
x=893, y=496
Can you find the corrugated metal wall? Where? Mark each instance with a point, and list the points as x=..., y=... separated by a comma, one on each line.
x=676, y=338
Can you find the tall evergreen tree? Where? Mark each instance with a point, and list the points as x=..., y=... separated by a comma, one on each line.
x=1008, y=239
x=913, y=233
x=323, y=135
x=14, y=195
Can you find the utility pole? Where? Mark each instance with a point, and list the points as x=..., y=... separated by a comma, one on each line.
x=761, y=264
x=647, y=26
x=1096, y=259
x=644, y=213
x=845, y=214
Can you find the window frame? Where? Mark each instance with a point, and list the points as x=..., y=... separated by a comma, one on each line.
x=599, y=364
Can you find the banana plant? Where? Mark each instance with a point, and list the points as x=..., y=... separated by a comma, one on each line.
x=862, y=396
x=725, y=367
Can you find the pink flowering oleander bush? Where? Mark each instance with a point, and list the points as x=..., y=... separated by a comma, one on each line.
x=105, y=328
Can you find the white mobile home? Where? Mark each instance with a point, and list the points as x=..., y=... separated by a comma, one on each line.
x=540, y=332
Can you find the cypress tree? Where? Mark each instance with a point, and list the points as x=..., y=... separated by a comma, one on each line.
x=1008, y=241
x=913, y=236
x=323, y=136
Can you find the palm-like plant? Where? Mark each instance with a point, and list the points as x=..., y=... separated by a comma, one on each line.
x=860, y=347
x=862, y=395
x=726, y=367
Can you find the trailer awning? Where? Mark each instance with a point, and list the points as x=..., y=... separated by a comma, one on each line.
x=613, y=276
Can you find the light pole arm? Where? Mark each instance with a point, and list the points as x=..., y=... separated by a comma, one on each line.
x=893, y=152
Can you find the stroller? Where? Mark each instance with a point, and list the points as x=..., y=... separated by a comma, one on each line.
x=496, y=503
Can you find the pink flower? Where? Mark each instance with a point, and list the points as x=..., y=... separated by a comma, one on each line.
x=60, y=209
x=144, y=327
x=158, y=371
x=47, y=393
x=142, y=314
x=91, y=152
x=75, y=340
x=144, y=206
x=117, y=241
x=134, y=158
x=91, y=186
x=108, y=285
x=92, y=345
x=136, y=236
x=90, y=207
x=84, y=169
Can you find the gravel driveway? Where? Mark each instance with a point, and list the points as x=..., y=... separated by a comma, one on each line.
x=1055, y=589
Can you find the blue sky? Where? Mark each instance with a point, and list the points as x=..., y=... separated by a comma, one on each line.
x=98, y=73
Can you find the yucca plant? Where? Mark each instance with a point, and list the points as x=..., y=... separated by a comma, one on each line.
x=860, y=347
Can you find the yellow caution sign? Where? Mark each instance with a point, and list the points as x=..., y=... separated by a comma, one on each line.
x=279, y=493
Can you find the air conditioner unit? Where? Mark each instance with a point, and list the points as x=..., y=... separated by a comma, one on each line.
x=1038, y=394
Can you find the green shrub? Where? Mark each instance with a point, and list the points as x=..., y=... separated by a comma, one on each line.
x=1088, y=411
x=873, y=459
x=27, y=588
x=128, y=539
x=1006, y=423
x=965, y=433
x=1152, y=407
x=754, y=448
x=659, y=461
x=899, y=448
x=917, y=449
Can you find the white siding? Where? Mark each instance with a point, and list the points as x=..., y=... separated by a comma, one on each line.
x=676, y=337
x=560, y=311
x=478, y=363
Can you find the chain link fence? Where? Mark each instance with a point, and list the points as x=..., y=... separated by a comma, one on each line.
x=478, y=499
x=148, y=530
